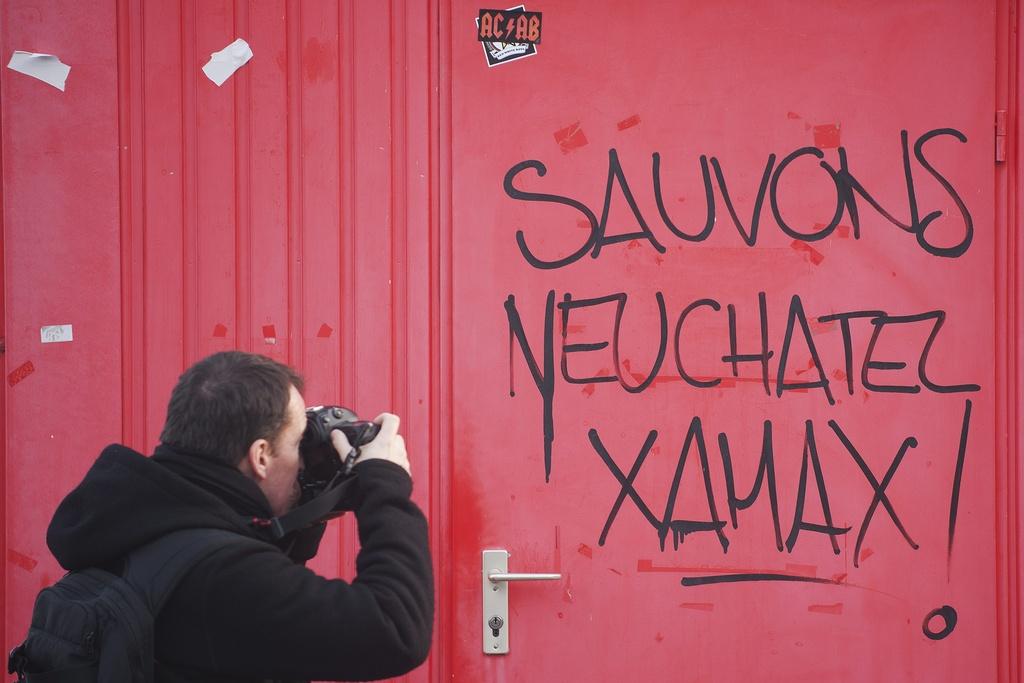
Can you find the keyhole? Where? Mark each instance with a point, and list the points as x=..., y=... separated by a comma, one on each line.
x=496, y=623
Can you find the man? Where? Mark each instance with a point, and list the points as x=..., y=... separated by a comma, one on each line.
x=229, y=459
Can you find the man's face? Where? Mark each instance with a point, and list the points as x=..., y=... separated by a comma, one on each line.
x=281, y=486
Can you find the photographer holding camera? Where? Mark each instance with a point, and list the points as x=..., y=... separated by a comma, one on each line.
x=249, y=609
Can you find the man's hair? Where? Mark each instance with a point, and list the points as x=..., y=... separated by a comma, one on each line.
x=225, y=402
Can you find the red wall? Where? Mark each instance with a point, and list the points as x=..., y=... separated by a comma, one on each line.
x=322, y=207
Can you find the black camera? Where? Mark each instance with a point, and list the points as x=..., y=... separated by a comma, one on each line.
x=322, y=466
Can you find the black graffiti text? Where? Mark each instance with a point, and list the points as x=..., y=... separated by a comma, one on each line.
x=813, y=482
x=848, y=189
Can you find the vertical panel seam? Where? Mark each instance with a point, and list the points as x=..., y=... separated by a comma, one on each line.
x=399, y=140
x=3, y=332
x=140, y=279
x=347, y=175
x=125, y=207
x=293, y=19
x=439, y=520
x=190, y=172
x=392, y=204
x=344, y=193
x=1006, y=506
x=350, y=236
x=1014, y=376
x=441, y=326
x=243, y=190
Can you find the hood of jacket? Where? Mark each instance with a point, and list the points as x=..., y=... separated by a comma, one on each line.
x=128, y=499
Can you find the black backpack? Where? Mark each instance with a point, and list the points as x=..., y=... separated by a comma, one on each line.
x=93, y=625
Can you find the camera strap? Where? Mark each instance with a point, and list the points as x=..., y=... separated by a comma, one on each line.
x=320, y=509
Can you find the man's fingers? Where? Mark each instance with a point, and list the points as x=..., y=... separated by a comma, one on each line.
x=388, y=425
x=388, y=444
x=340, y=442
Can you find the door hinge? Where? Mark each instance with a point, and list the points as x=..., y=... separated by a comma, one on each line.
x=1000, y=135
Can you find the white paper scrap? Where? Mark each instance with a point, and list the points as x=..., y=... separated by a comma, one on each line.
x=49, y=334
x=226, y=62
x=47, y=68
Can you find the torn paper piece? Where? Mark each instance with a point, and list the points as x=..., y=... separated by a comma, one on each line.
x=47, y=68
x=50, y=334
x=226, y=62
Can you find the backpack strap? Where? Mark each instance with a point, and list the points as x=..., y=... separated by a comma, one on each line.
x=155, y=569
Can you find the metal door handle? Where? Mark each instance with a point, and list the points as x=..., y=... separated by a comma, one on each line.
x=495, y=578
x=498, y=576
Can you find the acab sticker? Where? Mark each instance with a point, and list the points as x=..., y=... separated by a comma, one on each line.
x=509, y=34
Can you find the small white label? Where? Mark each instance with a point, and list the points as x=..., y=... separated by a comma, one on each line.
x=50, y=334
x=226, y=62
x=47, y=68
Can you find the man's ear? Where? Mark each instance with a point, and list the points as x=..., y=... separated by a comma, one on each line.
x=256, y=460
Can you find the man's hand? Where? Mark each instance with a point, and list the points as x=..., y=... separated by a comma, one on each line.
x=387, y=445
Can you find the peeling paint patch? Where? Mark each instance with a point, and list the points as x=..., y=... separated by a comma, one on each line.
x=802, y=569
x=700, y=606
x=837, y=608
x=21, y=372
x=649, y=566
x=819, y=327
x=570, y=138
x=629, y=122
x=585, y=550
x=810, y=364
x=812, y=254
x=21, y=560
x=826, y=136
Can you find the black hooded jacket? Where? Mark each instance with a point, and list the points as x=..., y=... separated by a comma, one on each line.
x=253, y=612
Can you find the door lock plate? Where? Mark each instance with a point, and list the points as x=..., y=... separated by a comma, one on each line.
x=495, y=603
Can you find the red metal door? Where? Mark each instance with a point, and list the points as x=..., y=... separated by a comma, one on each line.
x=724, y=345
